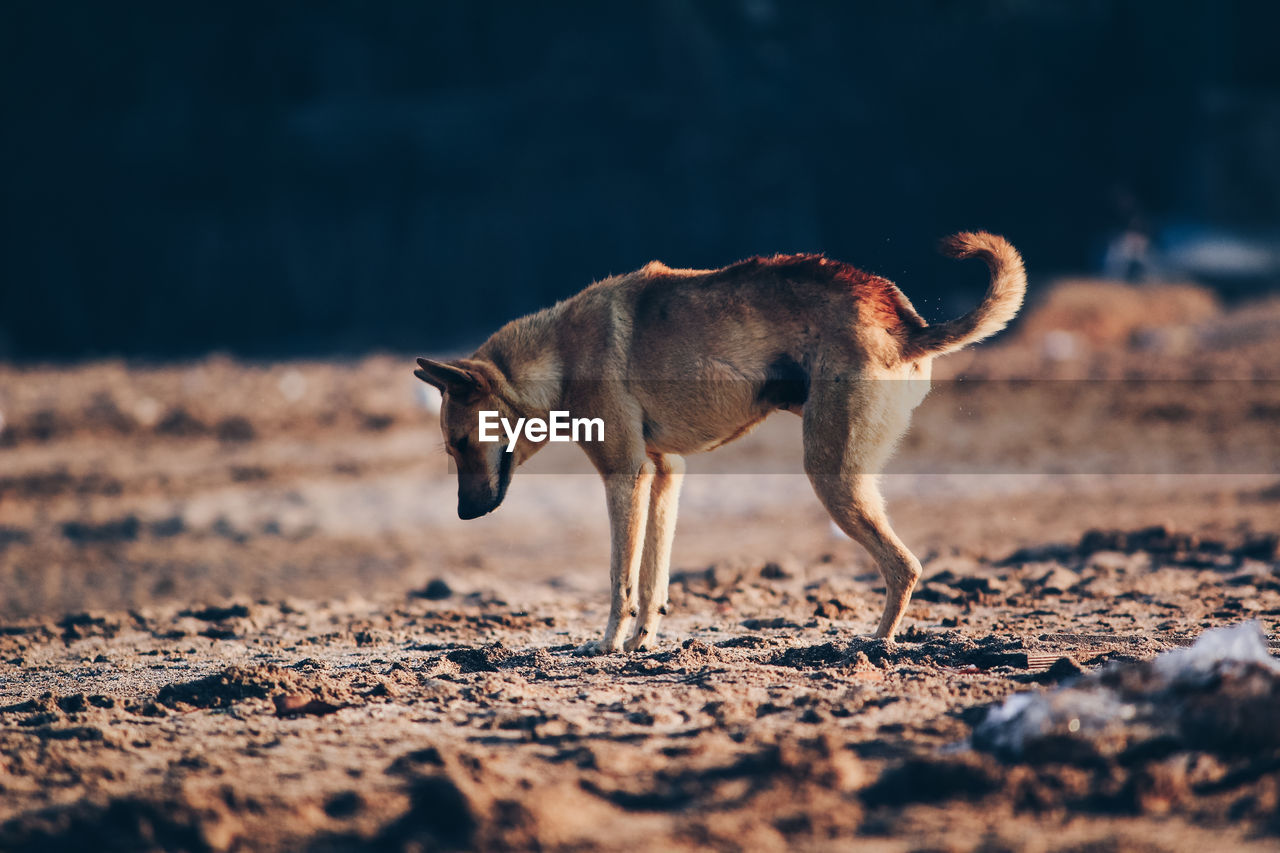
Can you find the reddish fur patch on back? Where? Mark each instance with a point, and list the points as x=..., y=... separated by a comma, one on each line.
x=880, y=302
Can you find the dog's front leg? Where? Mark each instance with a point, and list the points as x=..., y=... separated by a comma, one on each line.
x=655, y=567
x=628, y=499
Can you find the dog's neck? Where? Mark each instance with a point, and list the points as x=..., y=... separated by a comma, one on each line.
x=525, y=356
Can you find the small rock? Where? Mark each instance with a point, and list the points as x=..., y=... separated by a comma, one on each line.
x=980, y=585
x=435, y=590
x=1057, y=581
x=235, y=429
x=344, y=805
x=1161, y=538
x=1102, y=540
x=777, y=622
x=1053, y=552
x=485, y=659
x=1264, y=547
x=217, y=614
x=180, y=423
x=774, y=570
x=1063, y=668
x=936, y=593
x=1115, y=561
x=73, y=704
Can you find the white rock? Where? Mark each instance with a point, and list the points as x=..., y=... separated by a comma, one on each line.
x=293, y=385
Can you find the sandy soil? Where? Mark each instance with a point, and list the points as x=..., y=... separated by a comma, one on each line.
x=237, y=611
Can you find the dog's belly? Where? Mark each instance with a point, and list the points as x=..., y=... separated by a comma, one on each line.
x=717, y=399
x=694, y=438
x=702, y=417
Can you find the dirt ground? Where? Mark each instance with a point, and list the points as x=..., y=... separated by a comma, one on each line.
x=237, y=611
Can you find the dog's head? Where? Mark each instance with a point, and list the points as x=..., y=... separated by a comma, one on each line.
x=469, y=387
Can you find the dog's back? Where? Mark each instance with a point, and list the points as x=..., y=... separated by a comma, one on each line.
x=739, y=342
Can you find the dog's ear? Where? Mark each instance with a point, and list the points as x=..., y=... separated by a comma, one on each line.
x=458, y=381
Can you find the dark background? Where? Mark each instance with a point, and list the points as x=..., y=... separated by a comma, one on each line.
x=277, y=179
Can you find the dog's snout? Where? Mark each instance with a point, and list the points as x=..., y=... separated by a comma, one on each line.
x=468, y=510
x=476, y=496
x=474, y=509
x=477, y=493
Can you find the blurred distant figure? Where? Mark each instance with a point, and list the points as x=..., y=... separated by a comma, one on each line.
x=1129, y=256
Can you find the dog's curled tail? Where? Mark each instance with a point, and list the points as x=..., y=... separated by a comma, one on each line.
x=999, y=306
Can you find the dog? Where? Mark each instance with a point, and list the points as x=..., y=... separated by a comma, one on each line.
x=679, y=361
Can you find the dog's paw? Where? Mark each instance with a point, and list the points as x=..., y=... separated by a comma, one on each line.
x=637, y=643
x=595, y=648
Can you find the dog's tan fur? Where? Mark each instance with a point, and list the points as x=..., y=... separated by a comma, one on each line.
x=682, y=361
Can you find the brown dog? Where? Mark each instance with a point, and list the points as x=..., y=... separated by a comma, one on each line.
x=681, y=361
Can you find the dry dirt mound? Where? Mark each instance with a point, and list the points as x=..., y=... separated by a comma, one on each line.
x=1192, y=731
x=118, y=826
x=240, y=683
x=1105, y=313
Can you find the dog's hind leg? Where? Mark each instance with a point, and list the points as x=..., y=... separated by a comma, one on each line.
x=850, y=429
x=628, y=500
x=655, y=566
x=857, y=507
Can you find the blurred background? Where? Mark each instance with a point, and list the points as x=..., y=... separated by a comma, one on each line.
x=229, y=226
x=301, y=179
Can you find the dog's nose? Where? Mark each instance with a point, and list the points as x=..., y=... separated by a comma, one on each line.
x=477, y=494
x=472, y=507
x=466, y=512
